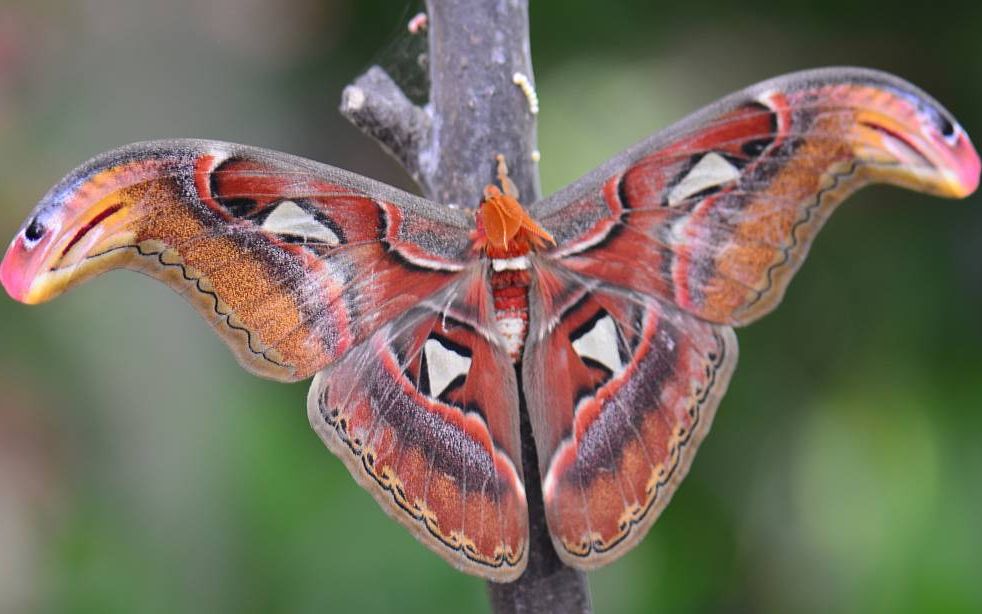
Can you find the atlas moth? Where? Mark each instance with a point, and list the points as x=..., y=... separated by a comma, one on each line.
x=608, y=307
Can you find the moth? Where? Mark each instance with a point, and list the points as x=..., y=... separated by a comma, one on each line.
x=608, y=307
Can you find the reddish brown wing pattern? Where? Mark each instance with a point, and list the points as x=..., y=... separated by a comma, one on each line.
x=723, y=207
x=300, y=266
x=660, y=249
x=621, y=392
x=425, y=416
x=292, y=262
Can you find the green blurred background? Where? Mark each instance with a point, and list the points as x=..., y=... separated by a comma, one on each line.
x=142, y=471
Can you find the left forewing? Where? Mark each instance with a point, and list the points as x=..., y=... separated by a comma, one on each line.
x=292, y=262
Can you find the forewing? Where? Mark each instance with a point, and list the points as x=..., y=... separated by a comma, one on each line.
x=621, y=390
x=292, y=262
x=425, y=416
x=716, y=213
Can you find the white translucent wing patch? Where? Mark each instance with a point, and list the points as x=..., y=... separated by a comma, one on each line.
x=288, y=218
x=443, y=366
x=600, y=344
x=711, y=170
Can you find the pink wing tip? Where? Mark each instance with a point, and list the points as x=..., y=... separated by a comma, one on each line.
x=970, y=167
x=13, y=273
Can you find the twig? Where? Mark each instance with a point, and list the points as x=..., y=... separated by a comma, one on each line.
x=379, y=108
x=476, y=111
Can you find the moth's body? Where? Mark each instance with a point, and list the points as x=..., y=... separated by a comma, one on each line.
x=616, y=296
x=507, y=235
x=510, y=288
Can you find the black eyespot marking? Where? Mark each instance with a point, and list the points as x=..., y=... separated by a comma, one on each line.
x=238, y=207
x=34, y=231
x=942, y=122
x=756, y=110
x=947, y=127
x=754, y=148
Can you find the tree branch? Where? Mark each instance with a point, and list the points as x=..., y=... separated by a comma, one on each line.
x=376, y=105
x=476, y=111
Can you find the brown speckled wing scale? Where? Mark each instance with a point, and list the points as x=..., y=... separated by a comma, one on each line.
x=662, y=249
x=717, y=213
x=413, y=416
x=292, y=262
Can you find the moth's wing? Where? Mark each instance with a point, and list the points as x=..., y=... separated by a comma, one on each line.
x=716, y=213
x=621, y=389
x=695, y=229
x=425, y=416
x=292, y=262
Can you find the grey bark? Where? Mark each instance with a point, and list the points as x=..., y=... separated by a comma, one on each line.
x=475, y=112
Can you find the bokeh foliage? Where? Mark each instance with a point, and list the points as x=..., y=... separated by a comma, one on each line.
x=141, y=470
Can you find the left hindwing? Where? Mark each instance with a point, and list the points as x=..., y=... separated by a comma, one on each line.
x=425, y=416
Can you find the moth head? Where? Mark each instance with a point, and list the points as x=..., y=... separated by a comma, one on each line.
x=70, y=236
x=912, y=141
x=505, y=227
